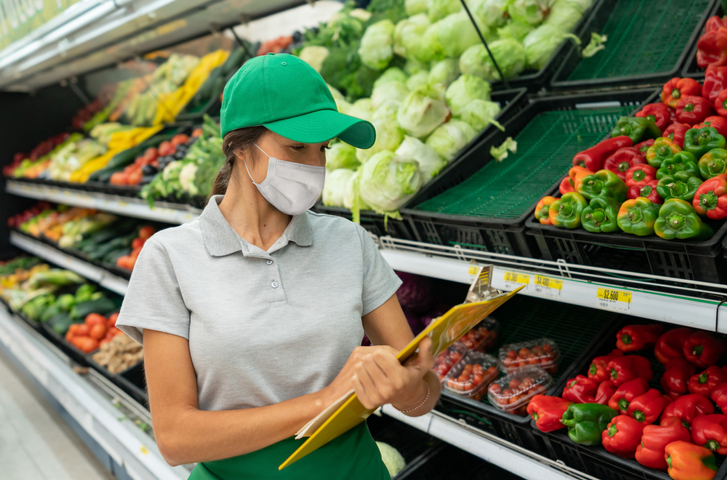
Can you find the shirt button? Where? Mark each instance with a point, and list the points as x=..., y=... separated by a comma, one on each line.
x=274, y=284
x=269, y=262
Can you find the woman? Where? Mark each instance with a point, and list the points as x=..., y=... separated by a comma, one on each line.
x=251, y=315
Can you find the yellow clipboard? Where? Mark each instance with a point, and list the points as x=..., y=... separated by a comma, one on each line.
x=444, y=331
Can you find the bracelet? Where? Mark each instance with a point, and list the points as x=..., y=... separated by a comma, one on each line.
x=424, y=402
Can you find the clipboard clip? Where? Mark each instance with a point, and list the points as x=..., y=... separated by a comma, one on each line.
x=481, y=288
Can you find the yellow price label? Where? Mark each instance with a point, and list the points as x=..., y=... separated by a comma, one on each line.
x=513, y=277
x=473, y=270
x=548, y=282
x=612, y=299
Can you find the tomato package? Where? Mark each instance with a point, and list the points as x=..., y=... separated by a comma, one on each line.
x=481, y=336
x=445, y=360
x=471, y=374
x=542, y=353
x=512, y=393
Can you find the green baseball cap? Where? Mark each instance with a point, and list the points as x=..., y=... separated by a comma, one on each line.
x=286, y=95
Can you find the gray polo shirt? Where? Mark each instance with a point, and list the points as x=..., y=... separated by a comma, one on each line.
x=263, y=327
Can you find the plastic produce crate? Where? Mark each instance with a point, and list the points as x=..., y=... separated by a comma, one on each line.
x=691, y=69
x=133, y=382
x=575, y=330
x=648, y=43
x=451, y=462
x=511, y=101
x=485, y=204
x=115, y=377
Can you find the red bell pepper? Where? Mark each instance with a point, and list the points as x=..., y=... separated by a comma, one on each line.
x=716, y=122
x=712, y=48
x=620, y=161
x=628, y=367
x=547, y=412
x=710, y=431
x=677, y=88
x=703, y=383
x=659, y=113
x=566, y=186
x=594, y=157
x=622, y=397
x=715, y=80
x=642, y=147
x=703, y=349
x=714, y=23
x=622, y=436
x=646, y=408
x=655, y=438
x=577, y=174
x=689, y=462
x=687, y=408
x=633, y=338
x=671, y=344
x=605, y=392
x=598, y=370
x=692, y=109
x=646, y=191
x=580, y=390
x=720, y=104
x=711, y=198
x=640, y=175
x=719, y=396
x=675, y=380
x=676, y=132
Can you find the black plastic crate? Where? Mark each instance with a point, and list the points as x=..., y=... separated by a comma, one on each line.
x=133, y=382
x=691, y=69
x=485, y=204
x=574, y=329
x=648, y=43
x=66, y=347
x=114, y=377
x=452, y=462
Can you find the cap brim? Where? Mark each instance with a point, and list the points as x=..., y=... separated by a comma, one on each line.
x=323, y=125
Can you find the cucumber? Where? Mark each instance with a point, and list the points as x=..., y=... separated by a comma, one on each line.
x=61, y=323
x=111, y=257
x=234, y=61
x=206, y=91
x=101, y=306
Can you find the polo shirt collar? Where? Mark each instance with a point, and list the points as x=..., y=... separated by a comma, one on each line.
x=221, y=239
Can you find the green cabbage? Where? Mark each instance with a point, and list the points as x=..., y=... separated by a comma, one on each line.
x=464, y=90
x=413, y=66
x=453, y=34
x=430, y=163
x=417, y=80
x=376, y=50
x=387, y=182
x=388, y=137
x=334, y=190
x=408, y=36
x=395, y=91
x=314, y=56
x=541, y=43
x=430, y=49
x=361, y=108
x=515, y=30
x=387, y=110
x=479, y=114
x=444, y=72
x=423, y=110
x=335, y=93
x=439, y=9
x=509, y=53
x=529, y=11
x=565, y=15
x=341, y=156
x=351, y=195
x=414, y=7
x=391, y=74
x=343, y=106
x=392, y=458
x=502, y=152
x=449, y=139
x=491, y=13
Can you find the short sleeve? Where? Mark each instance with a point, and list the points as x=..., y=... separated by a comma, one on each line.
x=379, y=280
x=153, y=299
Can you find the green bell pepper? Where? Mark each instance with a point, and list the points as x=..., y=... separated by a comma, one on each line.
x=637, y=216
x=713, y=163
x=600, y=215
x=603, y=183
x=662, y=149
x=680, y=162
x=566, y=211
x=586, y=422
x=699, y=141
x=678, y=219
x=682, y=185
x=636, y=128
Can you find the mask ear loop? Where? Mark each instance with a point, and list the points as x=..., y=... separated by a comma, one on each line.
x=248, y=171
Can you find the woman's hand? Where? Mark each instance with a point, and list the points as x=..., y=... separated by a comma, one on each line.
x=378, y=378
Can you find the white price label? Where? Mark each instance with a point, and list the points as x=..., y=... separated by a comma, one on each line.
x=616, y=300
x=547, y=286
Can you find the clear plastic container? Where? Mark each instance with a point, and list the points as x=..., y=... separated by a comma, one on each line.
x=512, y=393
x=445, y=360
x=542, y=353
x=482, y=336
x=471, y=374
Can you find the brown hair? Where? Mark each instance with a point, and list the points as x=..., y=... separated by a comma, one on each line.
x=240, y=139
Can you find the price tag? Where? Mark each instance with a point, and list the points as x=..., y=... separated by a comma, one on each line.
x=547, y=286
x=513, y=280
x=473, y=270
x=611, y=299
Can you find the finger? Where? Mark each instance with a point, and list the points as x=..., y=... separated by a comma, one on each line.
x=387, y=362
x=423, y=356
x=361, y=393
x=372, y=393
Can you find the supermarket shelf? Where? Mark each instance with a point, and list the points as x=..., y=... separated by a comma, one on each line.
x=123, y=441
x=92, y=272
x=128, y=206
x=505, y=455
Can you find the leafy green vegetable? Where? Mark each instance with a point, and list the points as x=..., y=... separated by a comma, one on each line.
x=430, y=163
x=464, y=90
x=376, y=48
x=314, y=56
x=341, y=156
x=393, y=460
x=509, y=53
x=388, y=137
x=541, y=43
x=454, y=34
x=565, y=15
x=448, y=139
x=394, y=91
x=408, y=36
x=515, y=30
x=501, y=153
x=391, y=74
x=362, y=108
x=413, y=66
x=387, y=182
x=491, y=13
x=417, y=80
x=414, y=7
x=334, y=189
x=439, y=9
x=595, y=45
x=423, y=110
x=444, y=72
x=387, y=110
x=479, y=114
x=529, y=11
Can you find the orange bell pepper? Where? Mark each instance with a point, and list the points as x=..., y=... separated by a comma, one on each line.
x=689, y=462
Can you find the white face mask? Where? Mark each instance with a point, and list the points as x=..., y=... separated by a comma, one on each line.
x=290, y=187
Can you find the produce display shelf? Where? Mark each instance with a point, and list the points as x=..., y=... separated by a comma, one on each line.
x=127, y=206
x=112, y=436
x=506, y=455
x=648, y=42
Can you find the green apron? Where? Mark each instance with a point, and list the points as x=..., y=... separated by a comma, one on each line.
x=352, y=456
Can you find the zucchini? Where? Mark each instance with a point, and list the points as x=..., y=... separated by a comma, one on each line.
x=101, y=306
x=110, y=258
x=234, y=61
x=104, y=175
x=61, y=323
x=124, y=158
x=50, y=312
x=206, y=91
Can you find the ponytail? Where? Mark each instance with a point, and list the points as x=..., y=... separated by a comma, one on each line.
x=236, y=140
